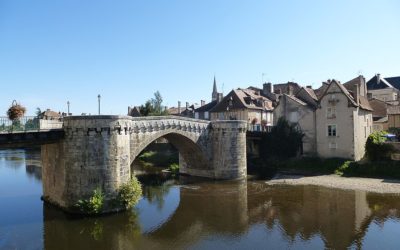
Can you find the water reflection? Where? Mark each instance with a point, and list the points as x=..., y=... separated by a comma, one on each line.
x=200, y=214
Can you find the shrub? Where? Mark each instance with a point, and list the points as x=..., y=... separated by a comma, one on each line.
x=376, y=148
x=284, y=141
x=129, y=193
x=93, y=205
x=174, y=168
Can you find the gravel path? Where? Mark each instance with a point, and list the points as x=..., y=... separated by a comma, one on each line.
x=384, y=186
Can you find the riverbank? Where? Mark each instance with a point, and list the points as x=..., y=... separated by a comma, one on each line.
x=375, y=185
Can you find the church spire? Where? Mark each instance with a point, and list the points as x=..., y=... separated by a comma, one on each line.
x=215, y=85
x=214, y=95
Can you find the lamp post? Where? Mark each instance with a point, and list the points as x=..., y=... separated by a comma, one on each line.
x=99, y=97
x=68, y=107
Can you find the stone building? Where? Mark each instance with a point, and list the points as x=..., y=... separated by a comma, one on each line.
x=50, y=115
x=379, y=114
x=344, y=120
x=393, y=116
x=247, y=105
x=384, y=89
x=300, y=109
x=336, y=119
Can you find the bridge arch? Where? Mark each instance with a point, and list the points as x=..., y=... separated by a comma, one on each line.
x=193, y=150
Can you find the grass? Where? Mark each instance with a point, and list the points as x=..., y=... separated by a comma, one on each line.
x=174, y=168
x=159, y=159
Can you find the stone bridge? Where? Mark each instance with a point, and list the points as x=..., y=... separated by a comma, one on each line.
x=97, y=152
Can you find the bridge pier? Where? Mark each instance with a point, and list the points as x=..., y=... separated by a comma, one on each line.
x=97, y=152
x=94, y=154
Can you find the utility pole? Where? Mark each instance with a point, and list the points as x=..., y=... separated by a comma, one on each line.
x=99, y=97
x=68, y=107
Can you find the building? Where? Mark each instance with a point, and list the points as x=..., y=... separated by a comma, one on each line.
x=344, y=120
x=247, y=105
x=379, y=115
x=336, y=119
x=50, y=115
x=384, y=89
x=393, y=117
x=300, y=109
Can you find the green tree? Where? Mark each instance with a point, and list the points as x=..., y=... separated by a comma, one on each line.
x=284, y=141
x=153, y=107
x=38, y=112
x=376, y=148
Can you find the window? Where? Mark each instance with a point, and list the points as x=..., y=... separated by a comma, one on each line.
x=365, y=132
x=206, y=115
x=221, y=116
x=331, y=130
x=331, y=112
x=196, y=115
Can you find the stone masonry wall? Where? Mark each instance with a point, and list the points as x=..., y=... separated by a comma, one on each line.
x=94, y=154
x=97, y=152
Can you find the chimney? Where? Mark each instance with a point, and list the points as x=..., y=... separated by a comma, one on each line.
x=129, y=110
x=378, y=78
x=220, y=97
x=179, y=107
x=267, y=88
x=187, y=105
x=202, y=103
x=309, y=86
x=290, y=90
x=357, y=93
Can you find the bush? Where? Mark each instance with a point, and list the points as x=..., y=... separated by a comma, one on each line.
x=377, y=169
x=376, y=149
x=129, y=193
x=93, y=205
x=284, y=141
x=174, y=168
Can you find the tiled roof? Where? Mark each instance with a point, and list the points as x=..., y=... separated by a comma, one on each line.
x=243, y=99
x=379, y=107
x=50, y=113
x=296, y=99
x=374, y=83
x=206, y=107
x=363, y=101
x=311, y=93
x=394, y=81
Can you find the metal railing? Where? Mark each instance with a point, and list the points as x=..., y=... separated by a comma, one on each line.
x=28, y=123
x=259, y=128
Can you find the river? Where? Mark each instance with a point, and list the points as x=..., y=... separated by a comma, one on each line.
x=192, y=213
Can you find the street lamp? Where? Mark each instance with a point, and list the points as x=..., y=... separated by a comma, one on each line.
x=68, y=107
x=98, y=97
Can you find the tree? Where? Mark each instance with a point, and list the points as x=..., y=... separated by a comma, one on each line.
x=284, y=141
x=38, y=112
x=153, y=107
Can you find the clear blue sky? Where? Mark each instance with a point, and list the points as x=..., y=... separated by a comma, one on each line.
x=54, y=51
